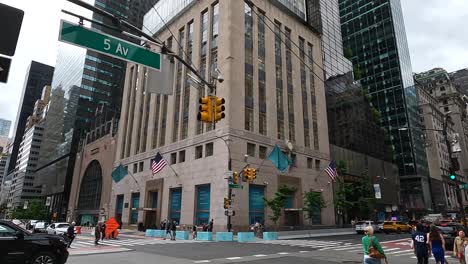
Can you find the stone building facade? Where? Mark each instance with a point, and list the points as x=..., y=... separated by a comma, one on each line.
x=274, y=91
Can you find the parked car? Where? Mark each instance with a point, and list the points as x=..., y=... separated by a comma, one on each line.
x=361, y=225
x=19, y=246
x=40, y=227
x=57, y=228
x=449, y=232
x=396, y=226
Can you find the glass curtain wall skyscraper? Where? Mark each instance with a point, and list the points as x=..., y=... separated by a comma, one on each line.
x=374, y=35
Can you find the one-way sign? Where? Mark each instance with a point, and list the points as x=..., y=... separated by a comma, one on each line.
x=109, y=45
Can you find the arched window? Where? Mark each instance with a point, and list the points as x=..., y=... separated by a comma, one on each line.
x=90, y=190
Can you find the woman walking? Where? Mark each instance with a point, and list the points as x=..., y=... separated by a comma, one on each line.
x=373, y=252
x=459, y=247
x=436, y=244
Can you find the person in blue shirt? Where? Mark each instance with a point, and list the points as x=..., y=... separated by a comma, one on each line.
x=420, y=244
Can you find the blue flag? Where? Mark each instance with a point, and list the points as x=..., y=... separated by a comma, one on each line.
x=119, y=173
x=278, y=159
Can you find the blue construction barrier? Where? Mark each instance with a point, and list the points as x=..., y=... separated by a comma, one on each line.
x=205, y=236
x=245, y=237
x=182, y=235
x=270, y=235
x=224, y=236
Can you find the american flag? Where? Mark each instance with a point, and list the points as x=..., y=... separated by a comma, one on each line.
x=158, y=163
x=331, y=170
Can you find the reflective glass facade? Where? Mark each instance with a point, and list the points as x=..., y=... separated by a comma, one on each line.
x=5, y=127
x=373, y=32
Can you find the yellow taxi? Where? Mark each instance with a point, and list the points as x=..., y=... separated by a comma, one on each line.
x=395, y=226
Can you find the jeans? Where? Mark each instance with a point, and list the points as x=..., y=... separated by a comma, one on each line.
x=369, y=260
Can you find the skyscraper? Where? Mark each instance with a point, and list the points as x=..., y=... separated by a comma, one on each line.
x=375, y=40
x=37, y=76
x=4, y=127
x=88, y=80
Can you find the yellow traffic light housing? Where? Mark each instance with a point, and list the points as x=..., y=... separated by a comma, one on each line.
x=245, y=175
x=253, y=175
x=219, y=108
x=235, y=177
x=205, y=113
x=226, y=203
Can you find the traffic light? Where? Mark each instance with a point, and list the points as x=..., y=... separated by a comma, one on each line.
x=253, y=175
x=226, y=203
x=452, y=174
x=235, y=177
x=245, y=175
x=219, y=108
x=205, y=110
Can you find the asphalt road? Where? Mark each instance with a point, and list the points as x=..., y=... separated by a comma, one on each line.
x=323, y=250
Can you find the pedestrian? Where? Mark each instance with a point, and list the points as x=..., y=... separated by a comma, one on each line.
x=168, y=230
x=173, y=230
x=373, y=252
x=419, y=244
x=210, y=228
x=103, y=231
x=459, y=247
x=437, y=244
x=205, y=227
x=71, y=233
x=97, y=233
x=163, y=225
x=194, y=231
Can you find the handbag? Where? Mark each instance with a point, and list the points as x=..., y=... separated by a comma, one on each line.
x=373, y=252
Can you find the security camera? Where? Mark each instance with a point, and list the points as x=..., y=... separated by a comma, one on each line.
x=217, y=74
x=220, y=78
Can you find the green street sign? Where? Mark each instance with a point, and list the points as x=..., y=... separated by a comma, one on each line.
x=234, y=186
x=103, y=43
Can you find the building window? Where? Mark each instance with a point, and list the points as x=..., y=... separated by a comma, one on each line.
x=135, y=203
x=202, y=213
x=178, y=87
x=442, y=88
x=262, y=152
x=251, y=149
x=310, y=163
x=279, y=82
x=173, y=158
x=140, y=169
x=317, y=164
x=293, y=160
x=135, y=168
x=175, y=204
x=313, y=101
x=119, y=204
x=203, y=56
x=181, y=156
x=198, y=152
x=186, y=99
x=256, y=204
x=248, y=45
x=305, y=108
x=154, y=199
x=209, y=149
x=290, y=86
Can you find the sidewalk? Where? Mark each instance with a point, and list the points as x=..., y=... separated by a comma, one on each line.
x=315, y=233
x=326, y=232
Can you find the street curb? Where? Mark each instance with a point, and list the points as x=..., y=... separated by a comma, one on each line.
x=315, y=235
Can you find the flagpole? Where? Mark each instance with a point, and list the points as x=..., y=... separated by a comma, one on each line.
x=133, y=177
x=173, y=170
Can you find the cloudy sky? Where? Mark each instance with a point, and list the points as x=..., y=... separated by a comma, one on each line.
x=437, y=36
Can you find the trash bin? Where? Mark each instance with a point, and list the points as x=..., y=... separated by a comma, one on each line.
x=78, y=230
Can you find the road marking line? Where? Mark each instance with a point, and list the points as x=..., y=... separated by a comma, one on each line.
x=397, y=240
x=346, y=248
x=401, y=251
x=392, y=249
x=233, y=258
x=202, y=261
x=305, y=251
x=283, y=253
x=260, y=255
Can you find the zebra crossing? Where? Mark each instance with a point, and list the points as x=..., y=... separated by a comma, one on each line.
x=391, y=249
x=126, y=242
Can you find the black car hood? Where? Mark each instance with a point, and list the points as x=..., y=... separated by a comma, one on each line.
x=44, y=236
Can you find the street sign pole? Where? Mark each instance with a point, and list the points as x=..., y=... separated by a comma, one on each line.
x=106, y=44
